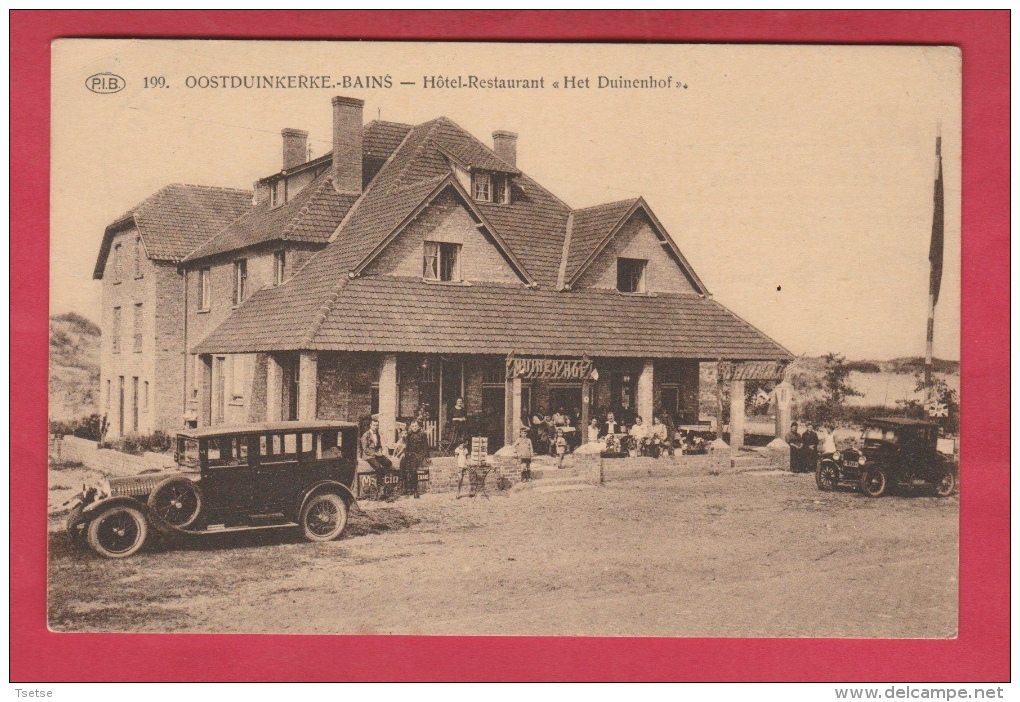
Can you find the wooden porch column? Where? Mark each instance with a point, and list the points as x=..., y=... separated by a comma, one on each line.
x=736, y=414
x=585, y=409
x=645, y=391
x=205, y=392
x=274, y=389
x=388, y=399
x=308, y=380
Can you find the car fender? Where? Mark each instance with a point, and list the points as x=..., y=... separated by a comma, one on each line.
x=328, y=486
x=92, y=510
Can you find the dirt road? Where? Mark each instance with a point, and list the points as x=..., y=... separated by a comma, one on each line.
x=751, y=554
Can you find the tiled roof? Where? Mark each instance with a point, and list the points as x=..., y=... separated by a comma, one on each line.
x=380, y=139
x=327, y=306
x=409, y=315
x=177, y=218
x=312, y=216
x=467, y=151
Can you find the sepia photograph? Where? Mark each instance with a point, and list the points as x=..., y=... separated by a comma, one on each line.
x=493, y=339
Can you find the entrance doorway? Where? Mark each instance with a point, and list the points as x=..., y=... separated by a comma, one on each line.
x=568, y=397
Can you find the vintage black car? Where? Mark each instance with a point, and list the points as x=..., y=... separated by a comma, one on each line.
x=254, y=476
x=895, y=452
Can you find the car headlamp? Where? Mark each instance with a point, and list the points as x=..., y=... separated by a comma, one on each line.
x=835, y=456
x=862, y=460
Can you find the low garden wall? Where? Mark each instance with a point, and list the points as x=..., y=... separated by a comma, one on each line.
x=71, y=449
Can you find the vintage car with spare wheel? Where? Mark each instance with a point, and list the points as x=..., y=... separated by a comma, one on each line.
x=255, y=476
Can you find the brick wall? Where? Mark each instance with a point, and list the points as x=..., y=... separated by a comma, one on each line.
x=168, y=393
x=345, y=385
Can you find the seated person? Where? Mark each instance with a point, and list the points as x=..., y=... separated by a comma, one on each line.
x=658, y=438
x=373, y=451
x=593, y=431
x=612, y=426
x=639, y=434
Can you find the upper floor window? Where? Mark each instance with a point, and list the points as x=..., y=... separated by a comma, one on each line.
x=238, y=375
x=116, y=330
x=240, y=280
x=278, y=192
x=138, y=328
x=442, y=262
x=490, y=187
x=279, y=267
x=205, y=289
x=630, y=275
x=138, y=257
x=118, y=270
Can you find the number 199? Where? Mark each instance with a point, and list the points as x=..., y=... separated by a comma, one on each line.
x=155, y=82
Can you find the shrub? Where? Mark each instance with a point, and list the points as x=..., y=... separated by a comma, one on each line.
x=137, y=444
x=92, y=427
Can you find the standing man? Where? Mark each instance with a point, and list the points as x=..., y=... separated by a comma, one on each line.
x=416, y=453
x=793, y=438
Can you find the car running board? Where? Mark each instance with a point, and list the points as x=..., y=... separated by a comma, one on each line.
x=221, y=529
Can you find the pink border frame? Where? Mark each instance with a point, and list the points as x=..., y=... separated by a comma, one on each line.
x=981, y=653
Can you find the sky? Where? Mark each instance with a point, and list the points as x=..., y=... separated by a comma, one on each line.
x=797, y=180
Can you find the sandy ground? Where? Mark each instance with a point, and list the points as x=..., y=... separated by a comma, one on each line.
x=747, y=554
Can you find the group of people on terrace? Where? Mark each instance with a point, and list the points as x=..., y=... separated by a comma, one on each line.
x=558, y=433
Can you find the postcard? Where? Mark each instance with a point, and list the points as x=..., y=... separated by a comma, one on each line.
x=523, y=339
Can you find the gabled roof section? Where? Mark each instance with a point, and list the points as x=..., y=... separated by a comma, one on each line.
x=176, y=219
x=594, y=228
x=311, y=217
x=449, y=182
x=591, y=226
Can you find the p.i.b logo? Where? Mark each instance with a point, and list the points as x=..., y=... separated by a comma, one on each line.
x=105, y=83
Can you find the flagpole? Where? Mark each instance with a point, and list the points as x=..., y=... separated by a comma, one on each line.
x=935, y=259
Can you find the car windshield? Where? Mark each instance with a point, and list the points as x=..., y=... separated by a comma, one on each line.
x=187, y=454
x=879, y=434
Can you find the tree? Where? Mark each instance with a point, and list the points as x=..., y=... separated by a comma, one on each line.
x=835, y=384
x=941, y=393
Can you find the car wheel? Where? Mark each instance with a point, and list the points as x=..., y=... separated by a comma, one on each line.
x=118, y=532
x=324, y=517
x=827, y=477
x=946, y=484
x=177, y=502
x=874, y=482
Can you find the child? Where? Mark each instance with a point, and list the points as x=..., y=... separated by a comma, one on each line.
x=462, y=464
x=561, y=448
x=524, y=451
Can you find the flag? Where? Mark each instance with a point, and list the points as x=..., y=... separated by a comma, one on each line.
x=937, y=229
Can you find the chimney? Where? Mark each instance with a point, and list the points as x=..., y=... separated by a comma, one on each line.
x=295, y=148
x=347, y=121
x=505, y=146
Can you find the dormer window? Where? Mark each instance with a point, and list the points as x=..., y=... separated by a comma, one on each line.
x=630, y=275
x=278, y=192
x=442, y=262
x=490, y=187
